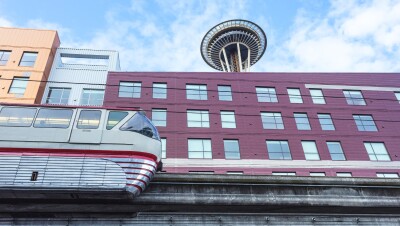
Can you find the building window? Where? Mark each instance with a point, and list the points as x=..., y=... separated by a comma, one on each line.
x=28, y=59
x=201, y=172
x=164, y=148
x=159, y=117
x=354, y=97
x=294, y=96
x=272, y=120
x=4, y=56
x=266, y=94
x=278, y=150
x=317, y=174
x=58, y=96
x=376, y=151
x=317, y=96
x=198, y=118
x=344, y=175
x=199, y=148
x=387, y=175
x=234, y=172
x=326, y=122
x=365, y=123
x=228, y=119
x=225, y=93
x=302, y=122
x=310, y=150
x=159, y=91
x=196, y=92
x=18, y=85
x=92, y=97
x=283, y=173
x=397, y=94
x=336, y=151
x=130, y=89
x=232, y=150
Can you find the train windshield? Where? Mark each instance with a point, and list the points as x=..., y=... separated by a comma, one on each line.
x=139, y=123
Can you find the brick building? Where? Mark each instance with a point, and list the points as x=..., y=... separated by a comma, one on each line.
x=304, y=124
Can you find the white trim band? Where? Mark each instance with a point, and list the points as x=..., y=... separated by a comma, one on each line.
x=344, y=87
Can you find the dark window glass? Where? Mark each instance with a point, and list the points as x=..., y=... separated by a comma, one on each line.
x=141, y=124
x=114, y=117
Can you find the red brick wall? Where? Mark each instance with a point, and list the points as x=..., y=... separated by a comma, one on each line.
x=249, y=129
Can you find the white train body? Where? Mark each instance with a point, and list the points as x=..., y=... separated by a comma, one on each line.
x=51, y=147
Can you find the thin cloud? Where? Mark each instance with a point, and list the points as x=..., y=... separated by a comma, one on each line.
x=350, y=38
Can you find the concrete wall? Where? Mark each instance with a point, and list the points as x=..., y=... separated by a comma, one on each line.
x=381, y=104
x=17, y=40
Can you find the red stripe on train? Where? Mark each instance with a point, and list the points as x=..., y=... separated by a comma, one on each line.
x=78, y=153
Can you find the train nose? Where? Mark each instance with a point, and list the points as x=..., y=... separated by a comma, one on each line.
x=139, y=123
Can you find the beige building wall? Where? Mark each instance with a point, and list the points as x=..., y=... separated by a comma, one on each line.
x=18, y=41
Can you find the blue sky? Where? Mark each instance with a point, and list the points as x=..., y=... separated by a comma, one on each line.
x=164, y=35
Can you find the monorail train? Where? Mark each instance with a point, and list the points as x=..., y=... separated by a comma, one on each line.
x=62, y=147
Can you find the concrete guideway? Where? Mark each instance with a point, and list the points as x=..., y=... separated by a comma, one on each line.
x=207, y=197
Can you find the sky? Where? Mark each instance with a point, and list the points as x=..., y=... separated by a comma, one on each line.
x=165, y=35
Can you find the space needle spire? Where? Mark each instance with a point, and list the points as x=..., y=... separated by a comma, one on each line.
x=233, y=45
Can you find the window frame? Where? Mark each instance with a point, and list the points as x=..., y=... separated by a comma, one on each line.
x=237, y=152
x=223, y=94
x=317, y=99
x=387, y=175
x=163, y=119
x=332, y=153
x=202, y=92
x=24, y=61
x=310, y=153
x=372, y=153
x=326, y=126
x=2, y=58
x=281, y=151
x=267, y=117
x=351, y=100
x=90, y=95
x=362, y=125
x=23, y=80
x=158, y=94
x=266, y=94
x=202, y=114
x=300, y=124
x=60, y=101
x=135, y=89
x=295, y=98
x=228, y=123
x=203, y=151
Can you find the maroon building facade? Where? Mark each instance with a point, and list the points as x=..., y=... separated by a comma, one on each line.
x=318, y=124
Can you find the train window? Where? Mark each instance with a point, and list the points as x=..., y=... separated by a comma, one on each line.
x=21, y=117
x=53, y=118
x=139, y=123
x=89, y=119
x=114, y=117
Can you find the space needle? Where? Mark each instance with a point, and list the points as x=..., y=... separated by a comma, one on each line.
x=233, y=45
